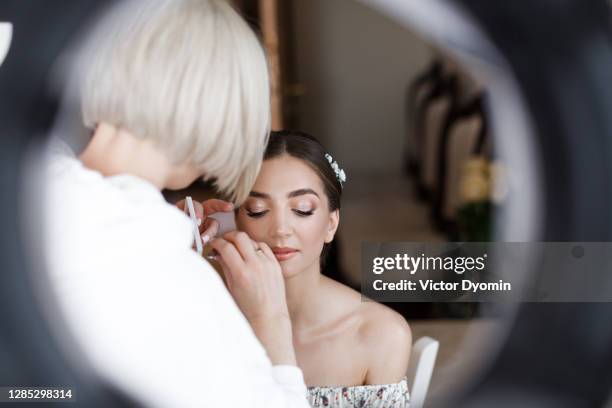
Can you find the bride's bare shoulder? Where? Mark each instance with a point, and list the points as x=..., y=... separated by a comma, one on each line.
x=386, y=337
x=373, y=316
x=383, y=334
x=380, y=322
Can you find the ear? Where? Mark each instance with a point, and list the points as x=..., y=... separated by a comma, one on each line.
x=332, y=226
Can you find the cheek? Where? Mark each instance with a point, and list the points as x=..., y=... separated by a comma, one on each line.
x=245, y=224
x=313, y=233
x=253, y=227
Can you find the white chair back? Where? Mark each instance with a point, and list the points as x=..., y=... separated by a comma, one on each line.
x=422, y=361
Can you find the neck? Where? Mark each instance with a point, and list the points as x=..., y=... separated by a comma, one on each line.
x=302, y=297
x=113, y=151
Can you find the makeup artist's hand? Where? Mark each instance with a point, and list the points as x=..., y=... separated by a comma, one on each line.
x=255, y=280
x=253, y=275
x=208, y=226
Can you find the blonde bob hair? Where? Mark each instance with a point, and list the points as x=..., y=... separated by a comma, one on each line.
x=189, y=75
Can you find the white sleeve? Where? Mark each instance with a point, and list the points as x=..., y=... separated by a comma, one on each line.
x=292, y=381
x=166, y=331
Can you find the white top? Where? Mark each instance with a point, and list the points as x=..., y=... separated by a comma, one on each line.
x=152, y=316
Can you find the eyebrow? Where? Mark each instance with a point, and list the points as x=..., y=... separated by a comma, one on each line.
x=296, y=193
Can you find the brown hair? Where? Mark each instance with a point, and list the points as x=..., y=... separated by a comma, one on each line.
x=305, y=147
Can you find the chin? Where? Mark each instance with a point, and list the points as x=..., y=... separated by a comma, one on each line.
x=180, y=184
x=288, y=272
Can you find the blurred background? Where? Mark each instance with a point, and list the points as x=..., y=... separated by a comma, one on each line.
x=440, y=142
x=408, y=124
x=404, y=120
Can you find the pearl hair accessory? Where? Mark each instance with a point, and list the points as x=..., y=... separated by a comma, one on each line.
x=340, y=175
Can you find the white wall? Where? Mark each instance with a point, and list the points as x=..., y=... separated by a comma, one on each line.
x=355, y=65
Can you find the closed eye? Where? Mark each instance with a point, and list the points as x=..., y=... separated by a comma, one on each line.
x=303, y=213
x=256, y=214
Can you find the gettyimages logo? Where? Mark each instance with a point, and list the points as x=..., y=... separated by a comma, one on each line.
x=413, y=264
x=423, y=272
x=487, y=272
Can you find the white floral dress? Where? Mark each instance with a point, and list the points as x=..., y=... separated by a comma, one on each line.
x=361, y=396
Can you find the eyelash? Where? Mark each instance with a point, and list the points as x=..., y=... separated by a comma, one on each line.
x=262, y=213
x=304, y=213
x=256, y=214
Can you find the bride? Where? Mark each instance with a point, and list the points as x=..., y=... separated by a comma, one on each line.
x=352, y=352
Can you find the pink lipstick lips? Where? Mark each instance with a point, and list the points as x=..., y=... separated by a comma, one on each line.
x=282, y=253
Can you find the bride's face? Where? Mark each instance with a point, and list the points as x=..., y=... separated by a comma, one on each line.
x=288, y=210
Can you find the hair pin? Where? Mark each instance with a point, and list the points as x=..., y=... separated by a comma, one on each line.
x=340, y=174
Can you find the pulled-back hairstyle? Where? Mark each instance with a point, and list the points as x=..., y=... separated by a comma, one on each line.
x=189, y=75
x=305, y=147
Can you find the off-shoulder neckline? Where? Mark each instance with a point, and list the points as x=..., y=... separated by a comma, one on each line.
x=404, y=380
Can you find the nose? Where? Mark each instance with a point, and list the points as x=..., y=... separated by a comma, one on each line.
x=281, y=225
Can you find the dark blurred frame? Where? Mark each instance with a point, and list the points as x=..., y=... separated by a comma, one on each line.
x=560, y=52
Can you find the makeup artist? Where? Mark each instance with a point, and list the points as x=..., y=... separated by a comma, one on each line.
x=175, y=90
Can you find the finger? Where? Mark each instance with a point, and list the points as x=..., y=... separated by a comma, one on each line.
x=261, y=254
x=267, y=251
x=209, y=229
x=199, y=210
x=227, y=272
x=229, y=255
x=214, y=205
x=233, y=236
x=245, y=245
